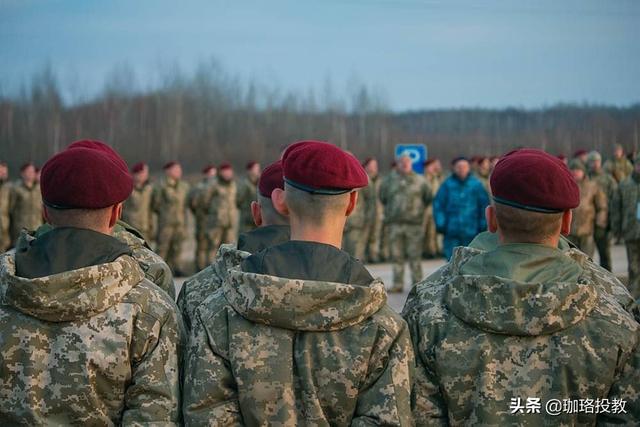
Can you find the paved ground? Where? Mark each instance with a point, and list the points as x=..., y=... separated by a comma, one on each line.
x=396, y=301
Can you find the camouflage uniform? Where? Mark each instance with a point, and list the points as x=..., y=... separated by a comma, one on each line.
x=198, y=206
x=405, y=198
x=618, y=168
x=5, y=239
x=591, y=213
x=431, y=246
x=169, y=203
x=91, y=345
x=375, y=222
x=268, y=350
x=25, y=208
x=358, y=226
x=137, y=209
x=521, y=321
x=222, y=223
x=247, y=192
x=625, y=223
x=602, y=236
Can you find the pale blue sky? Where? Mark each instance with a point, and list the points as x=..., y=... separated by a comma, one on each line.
x=421, y=53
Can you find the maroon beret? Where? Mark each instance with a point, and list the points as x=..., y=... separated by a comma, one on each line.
x=169, y=165
x=533, y=180
x=87, y=175
x=138, y=167
x=322, y=168
x=225, y=165
x=208, y=168
x=580, y=152
x=367, y=161
x=270, y=179
x=251, y=164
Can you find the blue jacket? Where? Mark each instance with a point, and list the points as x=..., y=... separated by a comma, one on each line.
x=458, y=208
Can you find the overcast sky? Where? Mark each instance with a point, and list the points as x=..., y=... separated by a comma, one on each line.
x=421, y=53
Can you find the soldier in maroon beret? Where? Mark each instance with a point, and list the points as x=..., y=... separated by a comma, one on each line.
x=197, y=203
x=247, y=188
x=222, y=203
x=25, y=202
x=137, y=209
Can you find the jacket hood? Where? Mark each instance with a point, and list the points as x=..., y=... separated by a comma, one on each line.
x=520, y=289
x=70, y=295
x=295, y=304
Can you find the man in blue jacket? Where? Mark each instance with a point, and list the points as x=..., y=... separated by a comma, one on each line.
x=458, y=208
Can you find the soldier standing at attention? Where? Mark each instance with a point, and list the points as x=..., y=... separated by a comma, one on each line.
x=405, y=196
x=137, y=208
x=25, y=203
x=358, y=226
x=619, y=166
x=300, y=333
x=626, y=223
x=169, y=203
x=222, y=223
x=458, y=208
x=591, y=212
x=85, y=338
x=500, y=333
x=198, y=205
x=5, y=239
x=247, y=189
x=375, y=213
x=432, y=174
x=608, y=185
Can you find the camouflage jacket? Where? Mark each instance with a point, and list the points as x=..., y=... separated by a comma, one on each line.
x=376, y=213
x=362, y=214
x=625, y=221
x=592, y=210
x=168, y=201
x=137, y=209
x=197, y=203
x=618, y=168
x=520, y=322
x=609, y=186
x=246, y=193
x=97, y=345
x=221, y=202
x=266, y=350
x=405, y=197
x=25, y=208
x=5, y=189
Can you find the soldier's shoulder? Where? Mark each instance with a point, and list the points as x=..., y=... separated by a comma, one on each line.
x=198, y=287
x=151, y=300
x=388, y=320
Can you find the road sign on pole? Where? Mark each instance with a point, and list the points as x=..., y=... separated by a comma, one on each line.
x=417, y=153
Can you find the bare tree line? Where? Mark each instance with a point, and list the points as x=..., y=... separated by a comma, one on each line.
x=212, y=116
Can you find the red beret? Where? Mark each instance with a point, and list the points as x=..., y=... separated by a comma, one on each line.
x=580, y=152
x=87, y=175
x=270, y=179
x=225, y=165
x=533, y=180
x=251, y=164
x=322, y=168
x=138, y=167
x=208, y=168
x=169, y=165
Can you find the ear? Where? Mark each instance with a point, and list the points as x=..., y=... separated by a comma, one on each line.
x=353, y=200
x=279, y=201
x=565, y=228
x=116, y=213
x=256, y=213
x=492, y=221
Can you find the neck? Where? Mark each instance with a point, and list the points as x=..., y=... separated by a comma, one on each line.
x=552, y=241
x=329, y=233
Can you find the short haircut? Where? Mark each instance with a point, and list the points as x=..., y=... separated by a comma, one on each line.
x=91, y=219
x=315, y=208
x=270, y=216
x=526, y=226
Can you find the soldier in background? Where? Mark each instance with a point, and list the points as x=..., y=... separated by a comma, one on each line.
x=5, y=239
x=523, y=319
x=85, y=338
x=358, y=226
x=137, y=208
x=591, y=212
x=197, y=202
x=169, y=203
x=483, y=172
x=626, y=223
x=433, y=175
x=25, y=202
x=222, y=222
x=405, y=196
x=375, y=214
x=247, y=188
x=299, y=333
x=619, y=166
x=385, y=248
x=581, y=155
x=608, y=185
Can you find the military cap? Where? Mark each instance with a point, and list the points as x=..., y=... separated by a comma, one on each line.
x=251, y=164
x=169, y=165
x=138, y=167
x=562, y=157
x=208, y=168
x=458, y=159
x=225, y=165
x=87, y=175
x=577, y=164
x=318, y=167
x=533, y=180
x=580, y=152
x=593, y=155
x=270, y=179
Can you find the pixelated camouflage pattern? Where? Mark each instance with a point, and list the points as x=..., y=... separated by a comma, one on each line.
x=405, y=197
x=624, y=221
x=592, y=210
x=94, y=346
x=221, y=202
x=619, y=168
x=246, y=193
x=137, y=209
x=516, y=322
x=273, y=351
x=25, y=208
x=168, y=201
